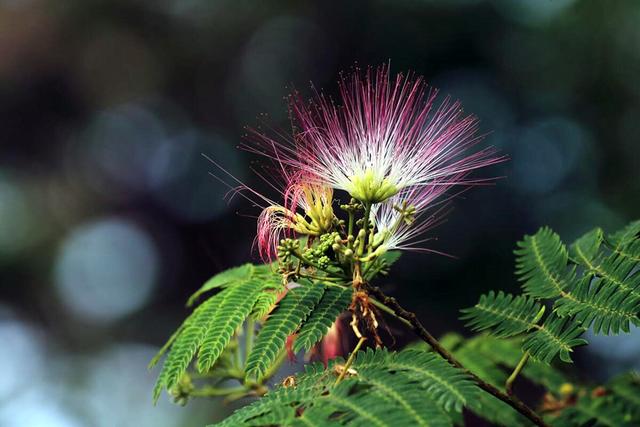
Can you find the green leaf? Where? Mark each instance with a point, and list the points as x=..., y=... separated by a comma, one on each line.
x=587, y=247
x=507, y=352
x=334, y=301
x=208, y=330
x=600, y=304
x=608, y=295
x=272, y=289
x=556, y=335
x=626, y=242
x=186, y=342
x=627, y=235
x=237, y=276
x=224, y=279
x=232, y=312
x=409, y=388
x=504, y=314
x=541, y=264
x=292, y=310
x=447, y=385
x=470, y=354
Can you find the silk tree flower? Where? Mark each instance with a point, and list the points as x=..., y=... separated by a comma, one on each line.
x=306, y=207
x=275, y=221
x=387, y=134
x=401, y=221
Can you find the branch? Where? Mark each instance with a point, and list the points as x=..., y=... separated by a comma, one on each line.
x=412, y=320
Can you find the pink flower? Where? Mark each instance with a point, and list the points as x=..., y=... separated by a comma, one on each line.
x=388, y=134
x=402, y=220
x=278, y=221
x=306, y=207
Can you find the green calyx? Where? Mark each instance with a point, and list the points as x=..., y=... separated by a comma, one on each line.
x=370, y=187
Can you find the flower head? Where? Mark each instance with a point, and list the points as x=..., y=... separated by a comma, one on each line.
x=307, y=211
x=402, y=220
x=306, y=208
x=388, y=134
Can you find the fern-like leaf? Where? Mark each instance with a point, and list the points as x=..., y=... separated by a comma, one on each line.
x=556, y=336
x=482, y=364
x=541, y=265
x=208, y=329
x=608, y=295
x=507, y=353
x=445, y=384
x=619, y=269
x=292, y=310
x=599, y=304
x=603, y=293
x=222, y=280
x=334, y=301
x=272, y=288
x=186, y=342
x=232, y=312
x=506, y=315
x=398, y=389
x=587, y=247
x=385, y=388
x=236, y=276
x=626, y=236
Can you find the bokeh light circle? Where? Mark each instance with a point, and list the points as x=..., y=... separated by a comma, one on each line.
x=20, y=356
x=106, y=270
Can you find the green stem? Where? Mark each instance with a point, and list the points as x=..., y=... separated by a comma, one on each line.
x=350, y=226
x=276, y=365
x=509, y=384
x=387, y=310
x=365, y=226
x=209, y=391
x=350, y=360
x=248, y=339
x=322, y=279
x=237, y=357
x=307, y=261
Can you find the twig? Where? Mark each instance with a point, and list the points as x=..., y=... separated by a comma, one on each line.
x=508, y=386
x=419, y=330
x=350, y=360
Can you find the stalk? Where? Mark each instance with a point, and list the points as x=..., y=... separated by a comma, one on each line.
x=350, y=360
x=248, y=339
x=508, y=386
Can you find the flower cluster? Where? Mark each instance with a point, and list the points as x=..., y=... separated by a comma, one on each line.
x=388, y=143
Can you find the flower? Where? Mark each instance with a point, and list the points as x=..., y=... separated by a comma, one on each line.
x=275, y=221
x=402, y=219
x=306, y=208
x=387, y=135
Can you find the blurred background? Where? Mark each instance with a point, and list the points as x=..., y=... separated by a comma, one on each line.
x=109, y=218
